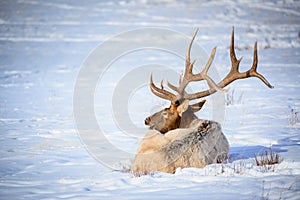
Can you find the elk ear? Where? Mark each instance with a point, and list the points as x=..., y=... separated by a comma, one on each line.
x=183, y=107
x=197, y=106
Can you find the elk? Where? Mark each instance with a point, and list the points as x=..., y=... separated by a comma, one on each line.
x=180, y=114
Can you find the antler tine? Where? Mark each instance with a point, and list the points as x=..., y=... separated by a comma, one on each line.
x=161, y=84
x=160, y=92
x=203, y=75
x=234, y=61
x=253, y=71
x=188, y=54
x=232, y=52
x=173, y=87
x=209, y=62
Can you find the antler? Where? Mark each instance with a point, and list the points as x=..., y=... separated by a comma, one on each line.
x=160, y=92
x=188, y=77
x=234, y=73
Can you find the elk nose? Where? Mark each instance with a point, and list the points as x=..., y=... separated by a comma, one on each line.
x=147, y=121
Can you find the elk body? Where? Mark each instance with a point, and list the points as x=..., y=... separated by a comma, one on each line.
x=181, y=116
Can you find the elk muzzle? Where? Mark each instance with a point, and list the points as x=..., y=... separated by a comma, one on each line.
x=147, y=121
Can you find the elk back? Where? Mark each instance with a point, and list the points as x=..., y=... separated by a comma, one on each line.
x=201, y=144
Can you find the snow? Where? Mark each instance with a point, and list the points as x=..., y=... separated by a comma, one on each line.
x=44, y=47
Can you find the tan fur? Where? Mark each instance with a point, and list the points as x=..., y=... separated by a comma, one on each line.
x=160, y=152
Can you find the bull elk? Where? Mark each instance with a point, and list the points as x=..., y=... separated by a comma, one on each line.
x=180, y=114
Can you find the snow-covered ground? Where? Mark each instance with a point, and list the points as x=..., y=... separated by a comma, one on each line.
x=44, y=45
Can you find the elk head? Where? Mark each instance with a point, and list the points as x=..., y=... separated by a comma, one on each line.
x=180, y=114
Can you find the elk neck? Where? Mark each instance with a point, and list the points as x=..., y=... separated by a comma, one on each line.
x=187, y=118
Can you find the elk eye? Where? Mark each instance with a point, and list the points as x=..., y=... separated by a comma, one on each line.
x=165, y=114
